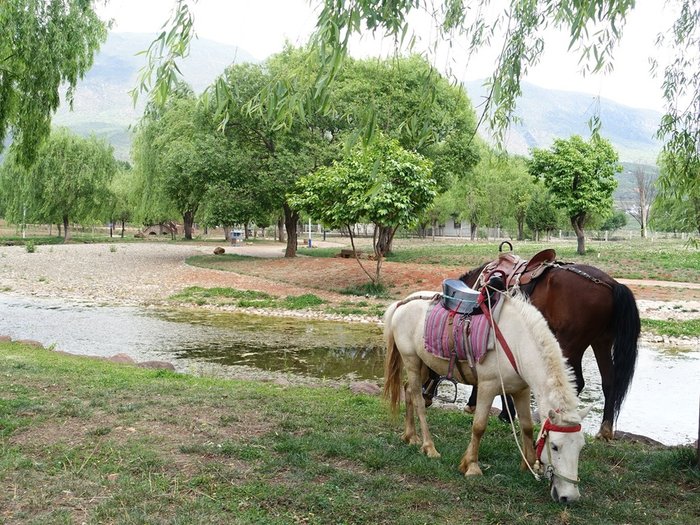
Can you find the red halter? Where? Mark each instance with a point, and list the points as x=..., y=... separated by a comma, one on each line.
x=546, y=428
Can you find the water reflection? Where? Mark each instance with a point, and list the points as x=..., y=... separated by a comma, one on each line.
x=662, y=402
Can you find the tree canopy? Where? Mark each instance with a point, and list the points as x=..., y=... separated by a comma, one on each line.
x=383, y=184
x=580, y=175
x=69, y=182
x=44, y=45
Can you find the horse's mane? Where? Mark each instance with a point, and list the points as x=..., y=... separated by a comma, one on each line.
x=466, y=275
x=560, y=377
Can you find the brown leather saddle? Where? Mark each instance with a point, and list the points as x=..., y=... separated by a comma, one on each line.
x=515, y=270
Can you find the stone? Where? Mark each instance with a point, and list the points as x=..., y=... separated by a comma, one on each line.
x=121, y=358
x=29, y=342
x=219, y=251
x=365, y=387
x=157, y=365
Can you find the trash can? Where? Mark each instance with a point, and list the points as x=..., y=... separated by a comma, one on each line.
x=236, y=237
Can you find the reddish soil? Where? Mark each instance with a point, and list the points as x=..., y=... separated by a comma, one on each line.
x=336, y=274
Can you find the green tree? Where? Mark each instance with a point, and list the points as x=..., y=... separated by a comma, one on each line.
x=69, y=182
x=383, y=184
x=680, y=126
x=684, y=191
x=44, y=45
x=594, y=27
x=541, y=214
x=122, y=202
x=182, y=155
x=282, y=153
x=580, y=176
x=615, y=221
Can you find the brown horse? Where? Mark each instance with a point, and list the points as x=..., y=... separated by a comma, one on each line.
x=585, y=307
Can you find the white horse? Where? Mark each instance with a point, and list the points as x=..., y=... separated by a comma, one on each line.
x=540, y=366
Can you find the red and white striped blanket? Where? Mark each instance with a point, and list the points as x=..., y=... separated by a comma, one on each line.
x=470, y=334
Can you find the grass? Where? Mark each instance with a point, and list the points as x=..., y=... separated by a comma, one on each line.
x=673, y=328
x=91, y=441
x=377, y=290
x=245, y=298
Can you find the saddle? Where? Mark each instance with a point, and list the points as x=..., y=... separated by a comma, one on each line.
x=516, y=271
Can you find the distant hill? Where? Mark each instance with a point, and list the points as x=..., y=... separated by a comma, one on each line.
x=102, y=103
x=547, y=114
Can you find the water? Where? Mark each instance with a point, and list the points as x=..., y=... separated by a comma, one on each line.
x=662, y=402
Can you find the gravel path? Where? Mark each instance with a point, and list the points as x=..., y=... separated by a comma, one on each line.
x=132, y=274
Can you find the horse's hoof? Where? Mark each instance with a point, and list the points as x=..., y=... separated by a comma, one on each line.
x=473, y=470
x=411, y=439
x=606, y=432
x=469, y=409
x=430, y=451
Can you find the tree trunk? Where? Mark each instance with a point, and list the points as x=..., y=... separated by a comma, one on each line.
x=111, y=229
x=577, y=222
x=521, y=228
x=280, y=229
x=472, y=230
x=123, y=227
x=434, y=226
x=65, y=228
x=291, y=219
x=385, y=238
x=188, y=221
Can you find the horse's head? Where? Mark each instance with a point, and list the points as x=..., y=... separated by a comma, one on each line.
x=558, y=447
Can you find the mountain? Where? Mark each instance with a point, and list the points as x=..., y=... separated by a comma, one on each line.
x=102, y=102
x=547, y=114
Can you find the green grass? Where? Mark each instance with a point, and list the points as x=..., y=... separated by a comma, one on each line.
x=687, y=328
x=244, y=298
x=377, y=290
x=91, y=441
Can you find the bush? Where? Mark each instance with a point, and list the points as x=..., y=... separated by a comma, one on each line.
x=29, y=246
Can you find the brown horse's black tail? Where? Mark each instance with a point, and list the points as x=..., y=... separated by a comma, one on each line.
x=627, y=329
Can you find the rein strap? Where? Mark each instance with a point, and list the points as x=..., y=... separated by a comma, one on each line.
x=499, y=334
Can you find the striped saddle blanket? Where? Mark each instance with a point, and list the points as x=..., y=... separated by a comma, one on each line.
x=467, y=335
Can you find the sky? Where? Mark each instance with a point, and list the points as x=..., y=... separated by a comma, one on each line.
x=261, y=27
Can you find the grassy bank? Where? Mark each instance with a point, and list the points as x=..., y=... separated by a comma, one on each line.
x=95, y=442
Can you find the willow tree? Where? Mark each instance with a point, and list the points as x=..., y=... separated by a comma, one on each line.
x=68, y=182
x=45, y=46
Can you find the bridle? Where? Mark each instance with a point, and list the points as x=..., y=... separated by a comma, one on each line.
x=549, y=472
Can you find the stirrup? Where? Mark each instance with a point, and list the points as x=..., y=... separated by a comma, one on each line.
x=454, y=384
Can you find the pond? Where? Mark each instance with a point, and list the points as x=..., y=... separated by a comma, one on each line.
x=662, y=402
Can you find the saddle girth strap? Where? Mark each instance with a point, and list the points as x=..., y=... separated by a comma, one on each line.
x=499, y=336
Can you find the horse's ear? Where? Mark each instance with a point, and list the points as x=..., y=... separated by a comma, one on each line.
x=584, y=411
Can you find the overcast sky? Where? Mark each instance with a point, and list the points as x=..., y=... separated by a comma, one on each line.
x=262, y=26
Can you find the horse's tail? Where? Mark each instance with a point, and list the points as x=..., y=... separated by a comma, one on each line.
x=393, y=364
x=627, y=329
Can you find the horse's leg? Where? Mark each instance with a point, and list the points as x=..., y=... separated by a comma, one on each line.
x=471, y=403
x=522, y=405
x=409, y=434
x=603, y=356
x=415, y=391
x=469, y=465
x=507, y=409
